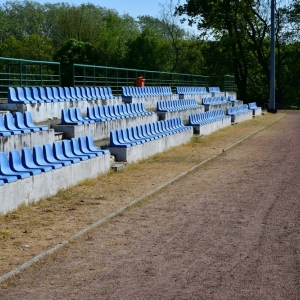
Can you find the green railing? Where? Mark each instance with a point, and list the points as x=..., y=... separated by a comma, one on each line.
x=22, y=72
x=226, y=83
x=88, y=75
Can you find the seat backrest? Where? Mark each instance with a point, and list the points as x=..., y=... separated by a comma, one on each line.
x=12, y=95
x=9, y=123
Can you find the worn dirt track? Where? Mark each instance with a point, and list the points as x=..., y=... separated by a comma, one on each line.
x=228, y=230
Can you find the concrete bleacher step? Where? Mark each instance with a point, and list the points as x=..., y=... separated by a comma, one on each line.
x=58, y=136
x=117, y=166
x=3, y=112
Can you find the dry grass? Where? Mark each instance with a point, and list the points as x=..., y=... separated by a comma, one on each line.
x=32, y=229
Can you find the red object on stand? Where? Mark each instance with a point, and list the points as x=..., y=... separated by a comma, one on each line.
x=140, y=81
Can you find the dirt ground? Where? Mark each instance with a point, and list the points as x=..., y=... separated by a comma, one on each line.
x=227, y=230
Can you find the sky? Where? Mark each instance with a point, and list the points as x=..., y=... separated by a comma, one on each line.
x=133, y=7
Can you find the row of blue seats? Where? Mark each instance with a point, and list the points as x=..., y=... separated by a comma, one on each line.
x=46, y=158
x=18, y=123
x=142, y=92
x=131, y=136
x=73, y=116
x=207, y=117
x=176, y=105
x=232, y=99
x=214, y=89
x=237, y=110
x=191, y=90
x=118, y=111
x=58, y=94
x=253, y=105
x=214, y=100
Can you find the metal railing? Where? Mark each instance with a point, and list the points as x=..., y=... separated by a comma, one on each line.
x=88, y=75
x=225, y=82
x=22, y=72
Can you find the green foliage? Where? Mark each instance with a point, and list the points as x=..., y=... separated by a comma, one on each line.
x=232, y=38
x=73, y=51
x=147, y=52
x=32, y=47
x=241, y=32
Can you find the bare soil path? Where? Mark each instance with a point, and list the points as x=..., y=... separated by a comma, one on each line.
x=228, y=230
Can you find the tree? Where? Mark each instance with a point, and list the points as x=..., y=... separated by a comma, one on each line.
x=246, y=24
x=73, y=51
x=147, y=52
x=31, y=47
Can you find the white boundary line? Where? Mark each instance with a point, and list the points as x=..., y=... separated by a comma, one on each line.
x=50, y=251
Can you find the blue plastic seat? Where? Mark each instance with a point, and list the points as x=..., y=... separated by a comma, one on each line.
x=100, y=114
x=3, y=130
x=73, y=117
x=97, y=93
x=39, y=159
x=61, y=93
x=125, y=93
x=29, y=96
x=78, y=93
x=82, y=142
x=22, y=96
x=90, y=93
x=15, y=163
x=49, y=156
x=19, y=123
x=9, y=124
x=80, y=118
x=42, y=94
x=90, y=146
x=106, y=93
x=58, y=94
x=35, y=95
x=135, y=135
x=84, y=94
x=49, y=94
x=12, y=96
x=70, y=91
x=111, y=112
x=27, y=161
x=68, y=117
x=101, y=92
x=59, y=154
x=7, y=179
x=67, y=151
x=77, y=150
x=7, y=171
x=29, y=123
x=90, y=112
x=120, y=109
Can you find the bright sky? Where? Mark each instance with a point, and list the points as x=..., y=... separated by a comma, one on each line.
x=133, y=7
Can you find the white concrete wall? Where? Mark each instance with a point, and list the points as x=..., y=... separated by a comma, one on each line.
x=143, y=151
x=242, y=117
x=20, y=141
x=211, y=127
x=35, y=188
x=257, y=111
x=42, y=112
